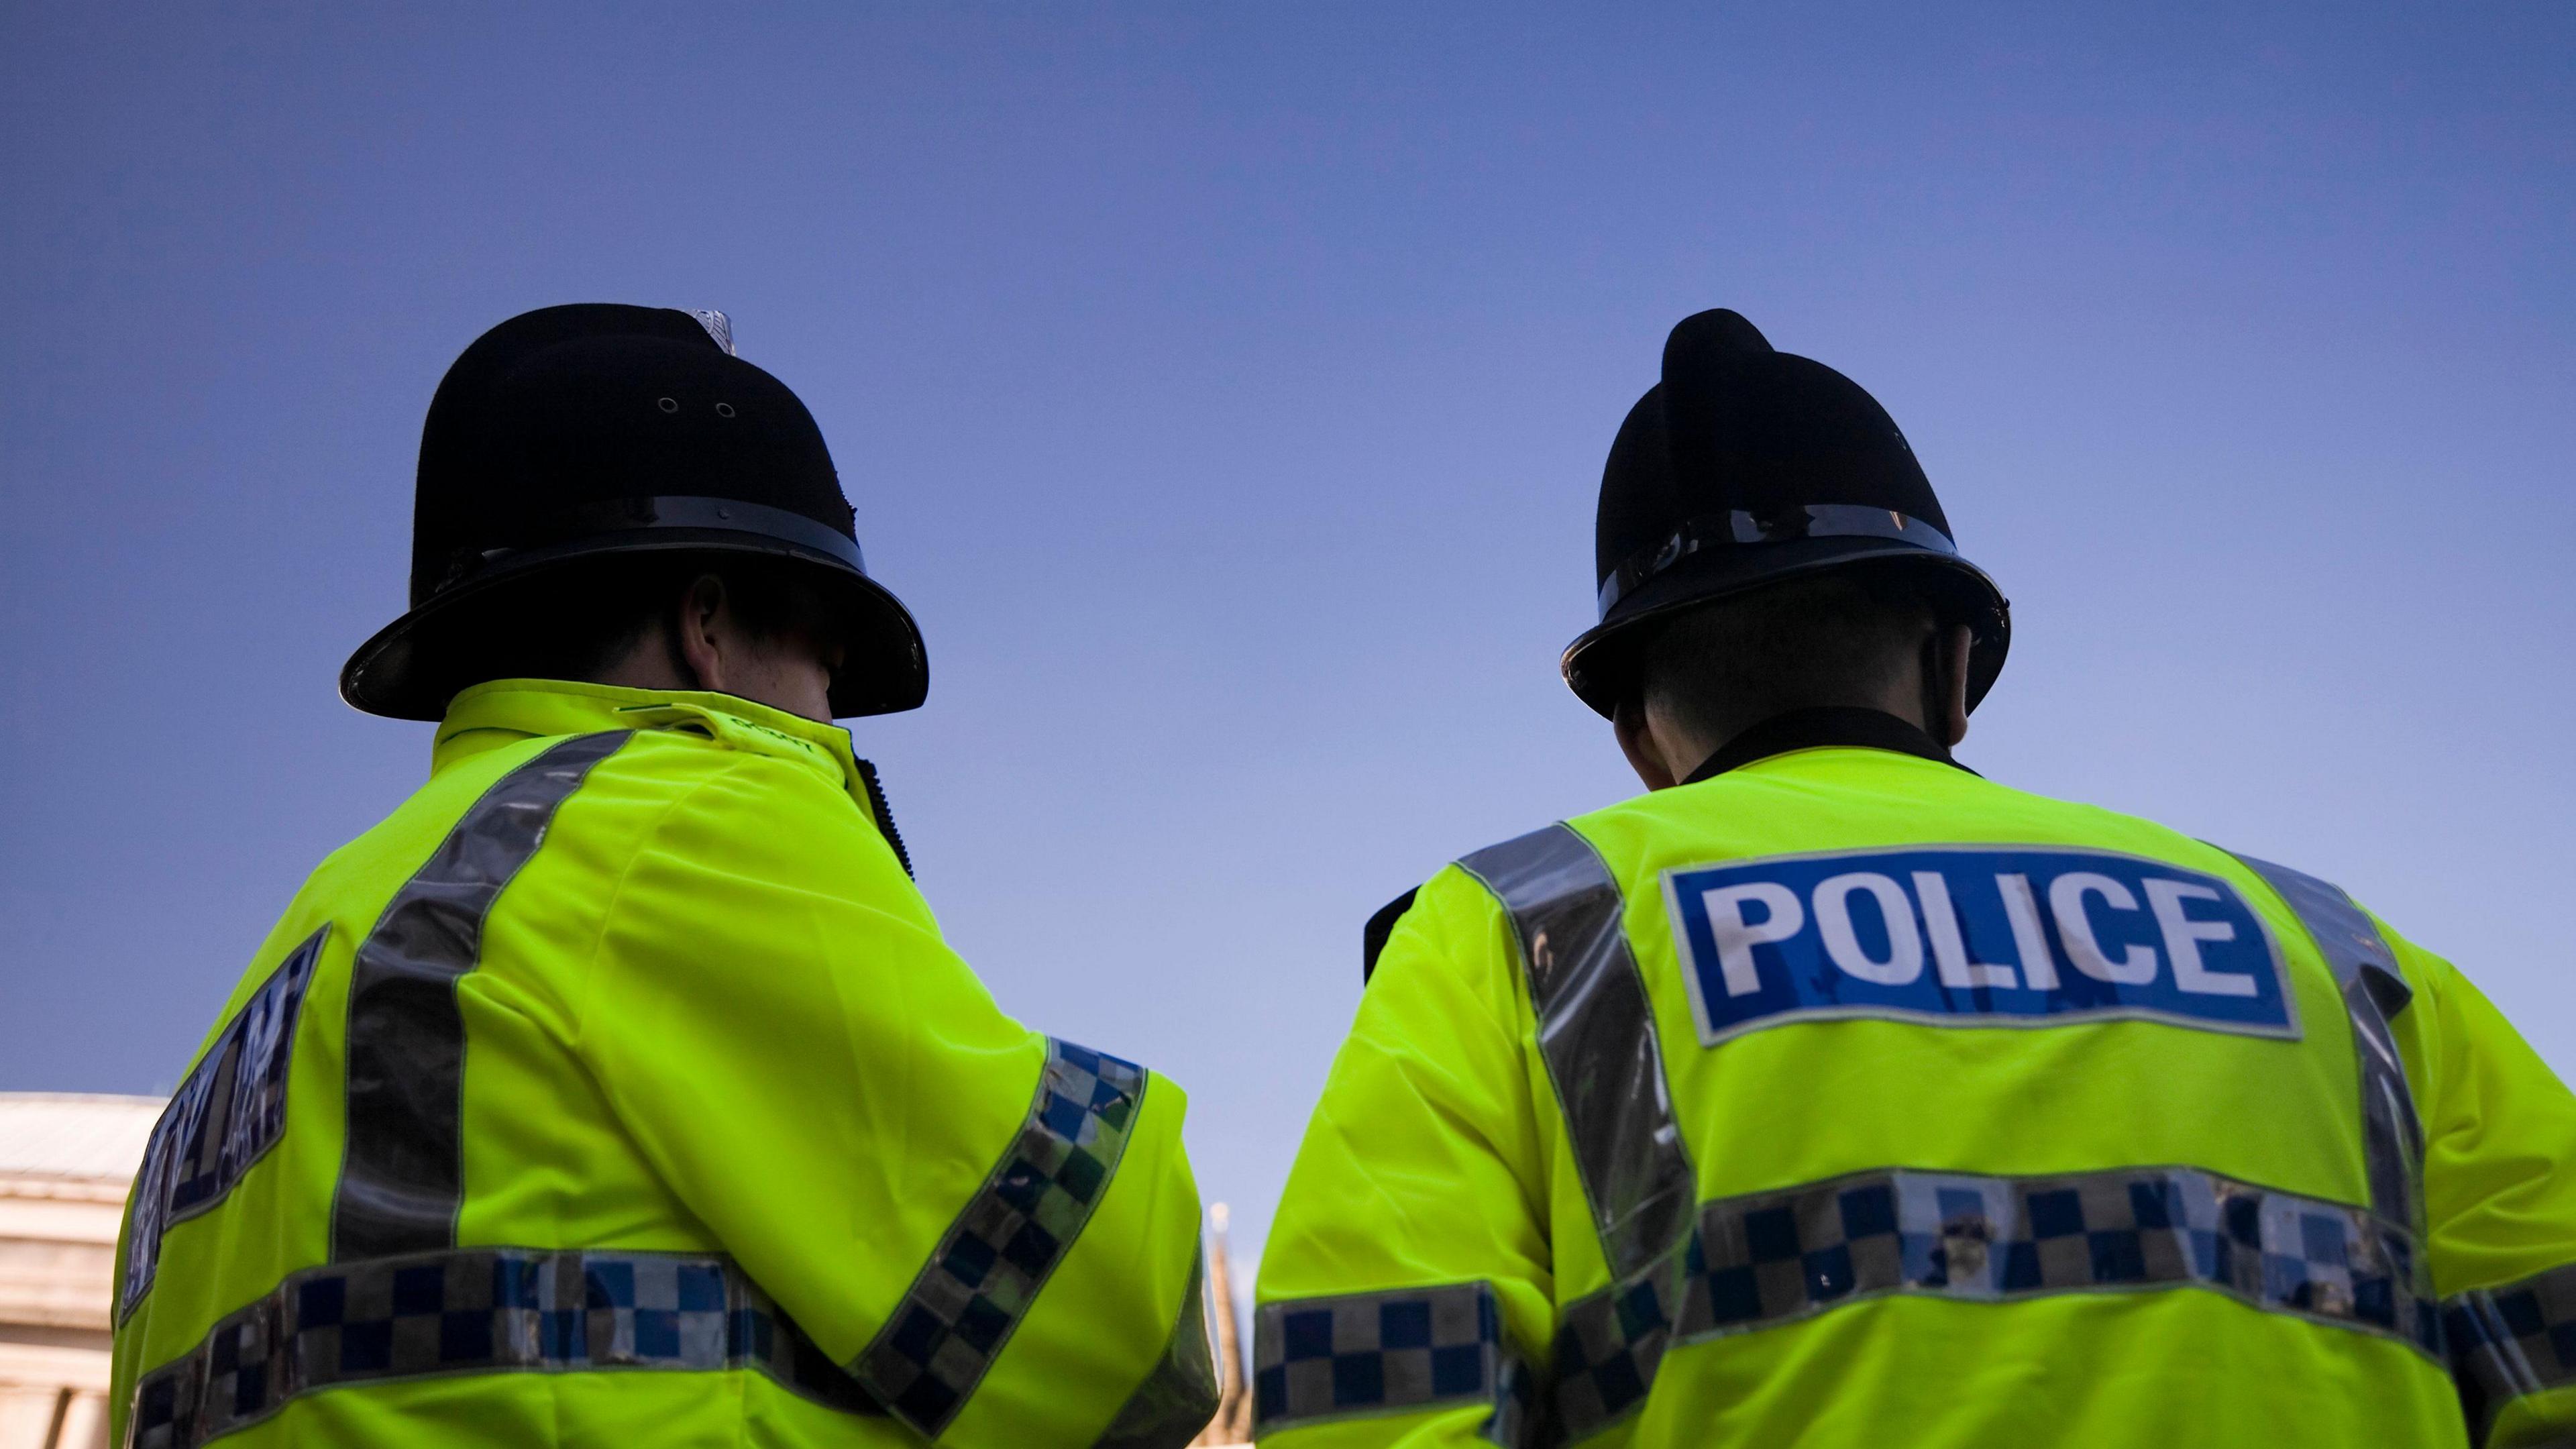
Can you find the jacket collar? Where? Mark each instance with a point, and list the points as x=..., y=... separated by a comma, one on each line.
x=1807, y=729
x=504, y=711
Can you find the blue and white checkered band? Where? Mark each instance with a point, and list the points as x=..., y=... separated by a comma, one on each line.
x=2510, y=1341
x=1768, y=1259
x=225, y=1117
x=933, y=1351
x=1406, y=1350
x=479, y=1310
x=1739, y=528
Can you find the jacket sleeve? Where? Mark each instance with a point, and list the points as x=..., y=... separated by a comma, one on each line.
x=2500, y=1207
x=1406, y=1281
x=995, y=1232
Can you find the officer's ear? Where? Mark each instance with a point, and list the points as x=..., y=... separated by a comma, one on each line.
x=1637, y=741
x=701, y=631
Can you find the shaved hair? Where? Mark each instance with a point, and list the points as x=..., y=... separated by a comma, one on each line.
x=1836, y=638
x=578, y=621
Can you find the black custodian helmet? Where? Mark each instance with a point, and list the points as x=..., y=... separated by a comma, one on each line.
x=1745, y=467
x=582, y=432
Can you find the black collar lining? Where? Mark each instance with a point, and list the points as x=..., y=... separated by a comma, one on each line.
x=1806, y=729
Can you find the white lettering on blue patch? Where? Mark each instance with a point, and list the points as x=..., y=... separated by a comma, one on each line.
x=225, y=1117
x=1972, y=936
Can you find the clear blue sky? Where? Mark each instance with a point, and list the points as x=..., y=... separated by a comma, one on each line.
x=1226, y=388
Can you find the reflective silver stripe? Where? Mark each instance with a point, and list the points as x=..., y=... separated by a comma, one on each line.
x=2374, y=990
x=934, y=1348
x=478, y=1310
x=1405, y=1350
x=402, y=1178
x=1767, y=1259
x=2510, y=1341
x=1596, y=1031
x=1179, y=1397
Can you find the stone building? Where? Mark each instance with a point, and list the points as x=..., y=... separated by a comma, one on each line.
x=65, y=1163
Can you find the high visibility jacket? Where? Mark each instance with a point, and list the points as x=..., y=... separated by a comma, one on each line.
x=1846, y=1098
x=619, y=1090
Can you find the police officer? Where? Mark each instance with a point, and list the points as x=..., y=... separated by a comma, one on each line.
x=618, y=1088
x=1831, y=1095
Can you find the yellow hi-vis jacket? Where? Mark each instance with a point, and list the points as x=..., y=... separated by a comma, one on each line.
x=619, y=1090
x=1848, y=1099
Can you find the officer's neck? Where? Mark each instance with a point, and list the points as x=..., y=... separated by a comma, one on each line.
x=704, y=643
x=1821, y=727
x=1921, y=709
x=1665, y=753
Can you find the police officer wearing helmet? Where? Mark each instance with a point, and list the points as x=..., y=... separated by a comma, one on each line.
x=618, y=1087
x=1830, y=1095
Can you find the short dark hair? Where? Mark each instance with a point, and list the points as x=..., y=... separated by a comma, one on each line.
x=1825, y=639
x=579, y=620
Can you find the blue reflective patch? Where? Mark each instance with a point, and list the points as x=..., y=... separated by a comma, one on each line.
x=1972, y=937
x=225, y=1117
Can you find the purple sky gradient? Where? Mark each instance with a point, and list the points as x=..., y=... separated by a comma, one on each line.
x=1226, y=389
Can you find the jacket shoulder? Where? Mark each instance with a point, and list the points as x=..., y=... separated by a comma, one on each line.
x=759, y=813
x=1453, y=913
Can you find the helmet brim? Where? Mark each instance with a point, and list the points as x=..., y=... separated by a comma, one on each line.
x=1601, y=665
x=413, y=666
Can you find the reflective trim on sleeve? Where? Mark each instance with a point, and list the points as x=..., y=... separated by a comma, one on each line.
x=1596, y=1030
x=1179, y=1397
x=1767, y=1259
x=1405, y=1350
x=403, y=1176
x=2512, y=1340
x=934, y=1348
x=2374, y=992
x=479, y=1310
